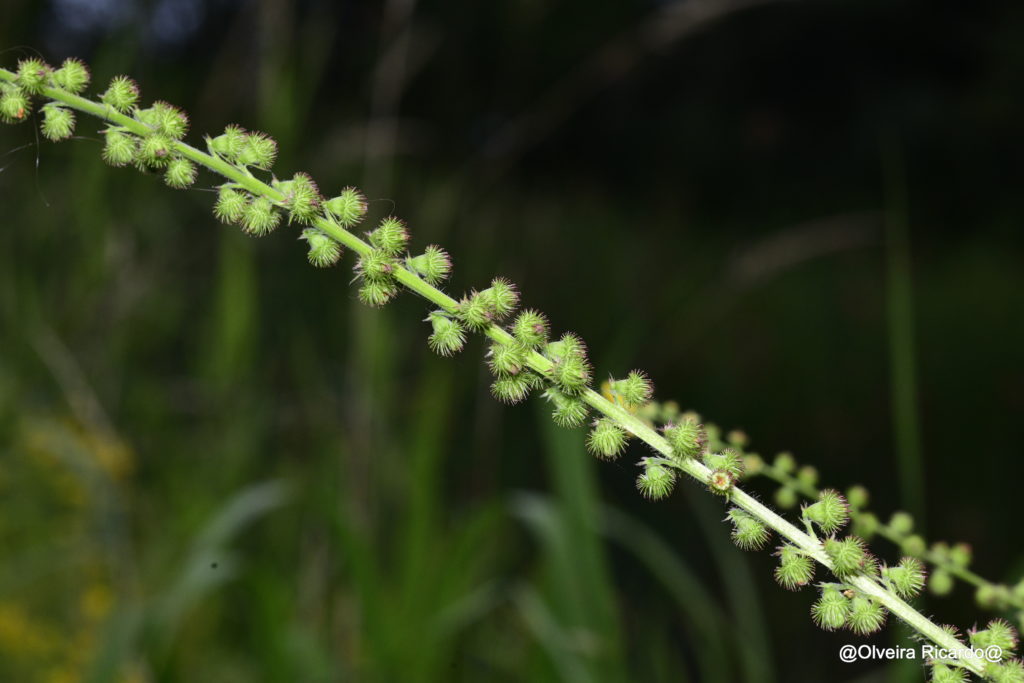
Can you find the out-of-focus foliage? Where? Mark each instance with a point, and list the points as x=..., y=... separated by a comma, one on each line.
x=216, y=465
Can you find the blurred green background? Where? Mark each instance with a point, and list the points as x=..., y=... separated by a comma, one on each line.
x=803, y=219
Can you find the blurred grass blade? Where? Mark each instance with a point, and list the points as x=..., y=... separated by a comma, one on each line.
x=900, y=310
x=584, y=589
x=750, y=628
x=712, y=642
x=209, y=564
x=549, y=634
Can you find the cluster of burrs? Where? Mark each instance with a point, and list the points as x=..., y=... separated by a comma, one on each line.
x=951, y=562
x=521, y=356
x=568, y=372
x=155, y=151
x=841, y=604
x=33, y=77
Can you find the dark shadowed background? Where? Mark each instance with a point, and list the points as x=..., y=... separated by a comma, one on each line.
x=802, y=219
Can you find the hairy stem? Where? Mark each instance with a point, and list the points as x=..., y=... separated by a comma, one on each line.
x=937, y=559
x=540, y=364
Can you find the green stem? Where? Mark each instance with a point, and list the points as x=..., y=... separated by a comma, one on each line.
x=539, y=364
x=899, y=306
x=885, y=531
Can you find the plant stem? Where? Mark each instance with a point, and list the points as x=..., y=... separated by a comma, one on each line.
x=899, y=306
x=885, y=531
x=539, y=364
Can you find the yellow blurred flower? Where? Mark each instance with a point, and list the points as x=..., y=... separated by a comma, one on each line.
x=95, y=602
